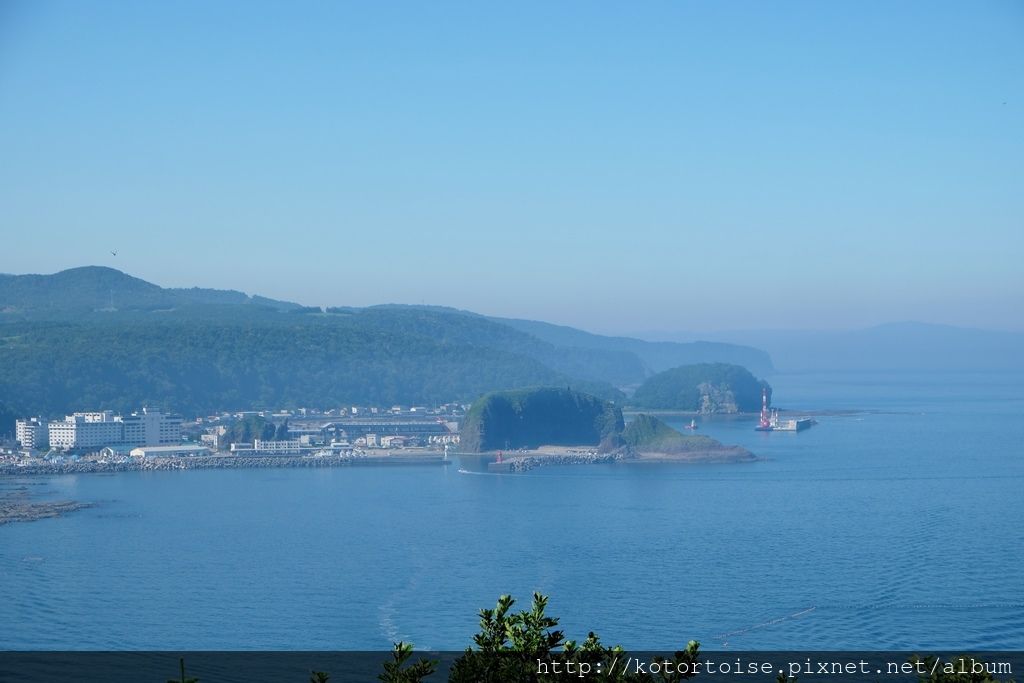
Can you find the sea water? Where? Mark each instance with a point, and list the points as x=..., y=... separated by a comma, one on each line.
x=897, y=525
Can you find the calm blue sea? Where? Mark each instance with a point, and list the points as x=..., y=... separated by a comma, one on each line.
x=899, y=527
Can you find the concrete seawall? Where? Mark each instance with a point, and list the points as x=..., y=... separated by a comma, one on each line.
x=722, y=454
x=215, y=462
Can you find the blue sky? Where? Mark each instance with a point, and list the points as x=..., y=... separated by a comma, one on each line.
x=615, y=166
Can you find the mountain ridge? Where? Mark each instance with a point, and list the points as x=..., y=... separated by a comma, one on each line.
x=656, y=355
x=101, y=293
x=100, y=288
x=95, y=337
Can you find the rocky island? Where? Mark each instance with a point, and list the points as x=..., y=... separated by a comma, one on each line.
x=651, y=440
x=549, y=426
x=704, y=388
x=529, y=418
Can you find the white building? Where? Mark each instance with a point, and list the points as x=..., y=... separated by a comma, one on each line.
x=85, y=430
x=180, y=451
x=151, y=429
x=31, y=434
x=99, y=429
x=283, y=447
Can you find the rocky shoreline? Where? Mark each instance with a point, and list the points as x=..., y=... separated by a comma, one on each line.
x=17, y=507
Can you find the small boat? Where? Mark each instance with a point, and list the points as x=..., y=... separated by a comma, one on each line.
x=692, y=425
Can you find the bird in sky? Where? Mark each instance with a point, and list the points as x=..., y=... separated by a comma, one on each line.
x=114, y=252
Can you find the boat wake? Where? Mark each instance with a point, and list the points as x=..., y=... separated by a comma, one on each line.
x=771, y=622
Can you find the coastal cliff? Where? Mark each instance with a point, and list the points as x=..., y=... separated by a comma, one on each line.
x=533, y=417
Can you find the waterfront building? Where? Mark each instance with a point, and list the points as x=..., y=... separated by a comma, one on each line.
x=98, y=429
x=31, y=433
x=115, y=452
x=151, y=429
x=398, y=441
x=179, y=451
x=85, y=430
x=282, y=447
x=422, y=428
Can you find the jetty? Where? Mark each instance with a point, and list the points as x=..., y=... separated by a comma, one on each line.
x=221, y=462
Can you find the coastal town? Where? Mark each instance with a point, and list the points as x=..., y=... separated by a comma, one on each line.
x=151, y=439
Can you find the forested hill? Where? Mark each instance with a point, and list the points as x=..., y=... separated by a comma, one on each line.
x=79, y=292
x=92, y=337
x=703, y=387
x=534, y=417
x=52, y=368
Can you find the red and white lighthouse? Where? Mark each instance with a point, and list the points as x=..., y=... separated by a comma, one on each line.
x=765, y=425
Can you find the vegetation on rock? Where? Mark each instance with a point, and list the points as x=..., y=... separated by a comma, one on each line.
x=250, y=428
x=705, y=387
x=647, y=433
x=533, y=417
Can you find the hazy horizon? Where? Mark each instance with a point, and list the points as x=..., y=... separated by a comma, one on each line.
x=723, y=334
x=613, y=168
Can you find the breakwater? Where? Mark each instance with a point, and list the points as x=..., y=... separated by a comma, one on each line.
x=524, y=463
x=626, y=455
x=216, y=462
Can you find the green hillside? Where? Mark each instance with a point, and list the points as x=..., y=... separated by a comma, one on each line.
x=78, y=292
x=95, y=337
x=647, y=433
x=57, y=367
x=703, y=387
x=594, y=365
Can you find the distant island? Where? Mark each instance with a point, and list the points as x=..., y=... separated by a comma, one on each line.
x=706, y=388
x=563, y=426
